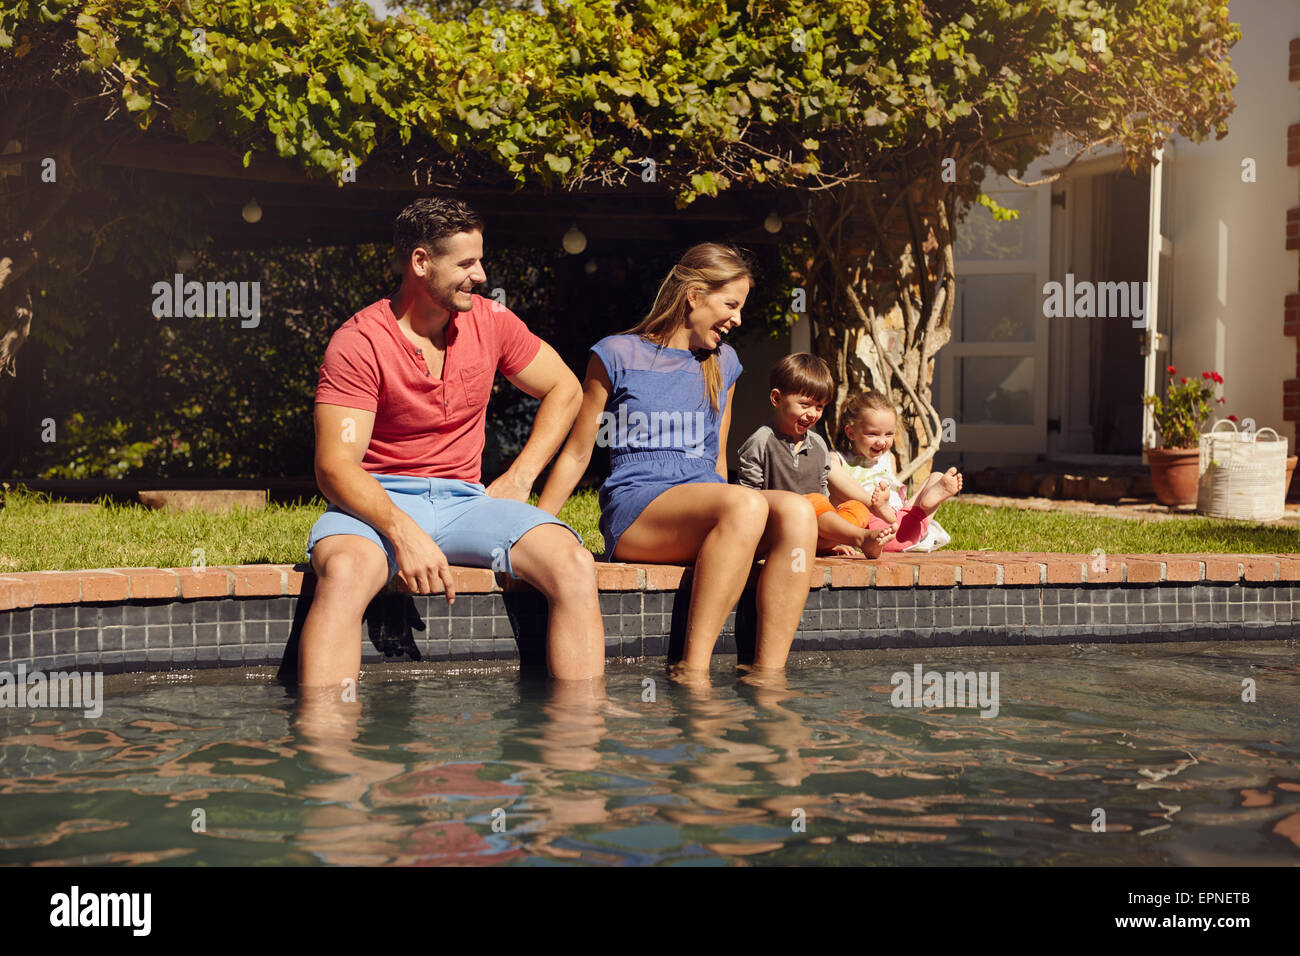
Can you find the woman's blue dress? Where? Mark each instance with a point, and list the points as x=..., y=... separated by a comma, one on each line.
x=659, y=426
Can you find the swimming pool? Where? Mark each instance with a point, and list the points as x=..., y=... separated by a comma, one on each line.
x=477, y=765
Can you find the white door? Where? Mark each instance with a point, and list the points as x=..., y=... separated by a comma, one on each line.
x=991, y=377
x=1160, y=259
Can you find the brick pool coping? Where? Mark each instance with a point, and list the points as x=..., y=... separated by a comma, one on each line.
x=159, y=619
x=940, y=569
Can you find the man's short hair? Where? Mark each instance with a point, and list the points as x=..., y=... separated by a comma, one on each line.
x=428, y=222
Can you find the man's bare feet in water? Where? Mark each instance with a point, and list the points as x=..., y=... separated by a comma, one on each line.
x=872, y=544
x=880, y=506
x=938, y=489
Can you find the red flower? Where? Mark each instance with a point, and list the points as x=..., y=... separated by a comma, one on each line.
x=1217, y=377
x=1222, y=399
x=1184, y=381
x=1205, y=375
x=1172, y=370
x=1232, y=418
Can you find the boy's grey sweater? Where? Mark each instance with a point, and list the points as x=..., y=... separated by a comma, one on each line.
x=767, y=461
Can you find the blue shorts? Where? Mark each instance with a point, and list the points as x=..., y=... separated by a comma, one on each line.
x=472, y=529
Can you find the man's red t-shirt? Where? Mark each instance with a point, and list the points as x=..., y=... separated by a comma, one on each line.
x=424, y=426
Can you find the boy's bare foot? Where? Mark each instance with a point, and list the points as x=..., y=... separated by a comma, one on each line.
x=873, y=542
x=937, y=492
x=880, y=506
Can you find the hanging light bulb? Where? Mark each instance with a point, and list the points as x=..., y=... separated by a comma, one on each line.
x=773, y=222
x=574, y=241
x=252, y=211
x=590, y=267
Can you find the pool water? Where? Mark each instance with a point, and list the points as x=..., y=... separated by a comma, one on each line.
x=478, y=765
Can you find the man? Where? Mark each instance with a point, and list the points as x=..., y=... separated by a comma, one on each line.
x=400, y=408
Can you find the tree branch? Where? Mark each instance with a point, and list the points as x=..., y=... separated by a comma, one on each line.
x=1053, y=177
x=922, y=406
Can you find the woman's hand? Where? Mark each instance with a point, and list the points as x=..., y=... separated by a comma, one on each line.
x=572, y=461
x=509, y=485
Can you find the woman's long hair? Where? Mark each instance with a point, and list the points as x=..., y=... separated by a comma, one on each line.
x=705, y=267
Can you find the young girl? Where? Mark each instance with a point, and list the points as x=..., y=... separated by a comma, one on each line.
x=868, y=421
x=660, y=396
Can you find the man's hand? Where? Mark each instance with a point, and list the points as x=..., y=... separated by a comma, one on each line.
x=421, y=566
x=510, y=485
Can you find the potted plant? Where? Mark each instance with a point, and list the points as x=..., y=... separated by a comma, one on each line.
x=1179, y=417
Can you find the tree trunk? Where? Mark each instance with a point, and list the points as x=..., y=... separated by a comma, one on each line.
x=881, y=285
x=14, y=331
x=23, y=224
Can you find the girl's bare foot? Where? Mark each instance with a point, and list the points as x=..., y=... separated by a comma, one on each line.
x=846, y=551
x=936, y=493
x=873, y=542
x=880, y=506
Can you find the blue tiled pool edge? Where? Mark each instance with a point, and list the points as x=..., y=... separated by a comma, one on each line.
x=185, y=634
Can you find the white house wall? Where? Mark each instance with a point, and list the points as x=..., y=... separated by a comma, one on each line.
x=1232, y=271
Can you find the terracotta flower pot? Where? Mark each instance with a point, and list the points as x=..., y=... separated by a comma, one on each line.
x=1290, y=470
x=1174, y=472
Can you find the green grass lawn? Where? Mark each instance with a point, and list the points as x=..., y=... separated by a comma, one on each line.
x=38, y=535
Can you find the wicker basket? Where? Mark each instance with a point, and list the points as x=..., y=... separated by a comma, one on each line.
x=1240, y=475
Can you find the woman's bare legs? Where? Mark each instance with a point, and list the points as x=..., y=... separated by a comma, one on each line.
x=715, y=526
x=789, y=544
x=719, y=528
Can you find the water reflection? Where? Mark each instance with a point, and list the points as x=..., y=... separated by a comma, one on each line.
x=813, y=767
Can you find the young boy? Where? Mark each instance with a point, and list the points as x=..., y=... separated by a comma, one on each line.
x=788, y=456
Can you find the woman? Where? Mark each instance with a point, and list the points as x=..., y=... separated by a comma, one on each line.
x=660, y=396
